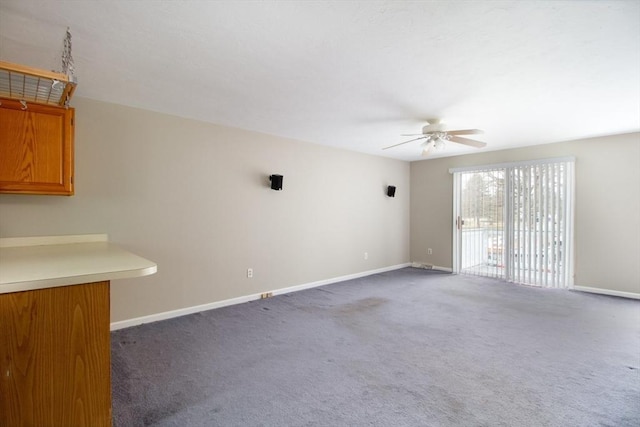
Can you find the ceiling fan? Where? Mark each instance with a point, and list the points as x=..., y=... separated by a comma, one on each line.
x=436, y=134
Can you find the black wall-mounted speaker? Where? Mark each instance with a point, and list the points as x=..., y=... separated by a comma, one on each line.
x=391, y=191
x=276, y=182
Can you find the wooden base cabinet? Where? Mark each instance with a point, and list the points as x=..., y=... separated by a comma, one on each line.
x=55, y=357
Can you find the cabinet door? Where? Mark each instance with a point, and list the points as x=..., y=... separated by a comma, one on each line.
x=55, y=360
x=36, y=149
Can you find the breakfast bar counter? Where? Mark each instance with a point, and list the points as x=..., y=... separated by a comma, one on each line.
x=55, y=354
x=29, y=263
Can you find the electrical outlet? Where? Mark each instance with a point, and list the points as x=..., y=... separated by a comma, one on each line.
x=429, y=251
x=250, y=273
x=266, y=295
x=366, y=255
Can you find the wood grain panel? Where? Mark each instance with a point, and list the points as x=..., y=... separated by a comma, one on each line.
x=36, y=149
x=55, y=357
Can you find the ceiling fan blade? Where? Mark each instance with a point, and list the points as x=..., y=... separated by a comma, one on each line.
x=405, y=142
x=467, y=141
x=465, y=132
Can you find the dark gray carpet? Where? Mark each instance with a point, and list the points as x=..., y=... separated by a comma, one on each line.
x=405, y=348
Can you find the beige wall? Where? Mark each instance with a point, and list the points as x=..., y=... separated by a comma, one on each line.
x=607, y=207
x=194, y=198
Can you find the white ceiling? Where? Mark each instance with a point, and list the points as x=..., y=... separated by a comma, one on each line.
x=351, y=74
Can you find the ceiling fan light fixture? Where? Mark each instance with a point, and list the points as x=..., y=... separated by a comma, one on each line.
x=436, y=141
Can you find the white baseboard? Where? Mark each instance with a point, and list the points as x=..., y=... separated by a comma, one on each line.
x=239, y=300
x=437, y=267
x=622, y=294
x=431, y=267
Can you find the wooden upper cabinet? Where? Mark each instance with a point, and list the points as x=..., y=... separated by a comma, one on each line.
x=36, y=148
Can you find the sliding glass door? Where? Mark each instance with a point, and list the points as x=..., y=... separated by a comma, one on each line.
x=515, y=222
x=480, y=222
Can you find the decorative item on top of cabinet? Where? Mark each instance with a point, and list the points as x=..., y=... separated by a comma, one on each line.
x=30, y=84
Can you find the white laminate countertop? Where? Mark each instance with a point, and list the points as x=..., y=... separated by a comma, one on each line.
x=31, y=263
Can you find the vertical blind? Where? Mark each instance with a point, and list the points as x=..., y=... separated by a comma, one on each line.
x=540, y=207
x=515, y=222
